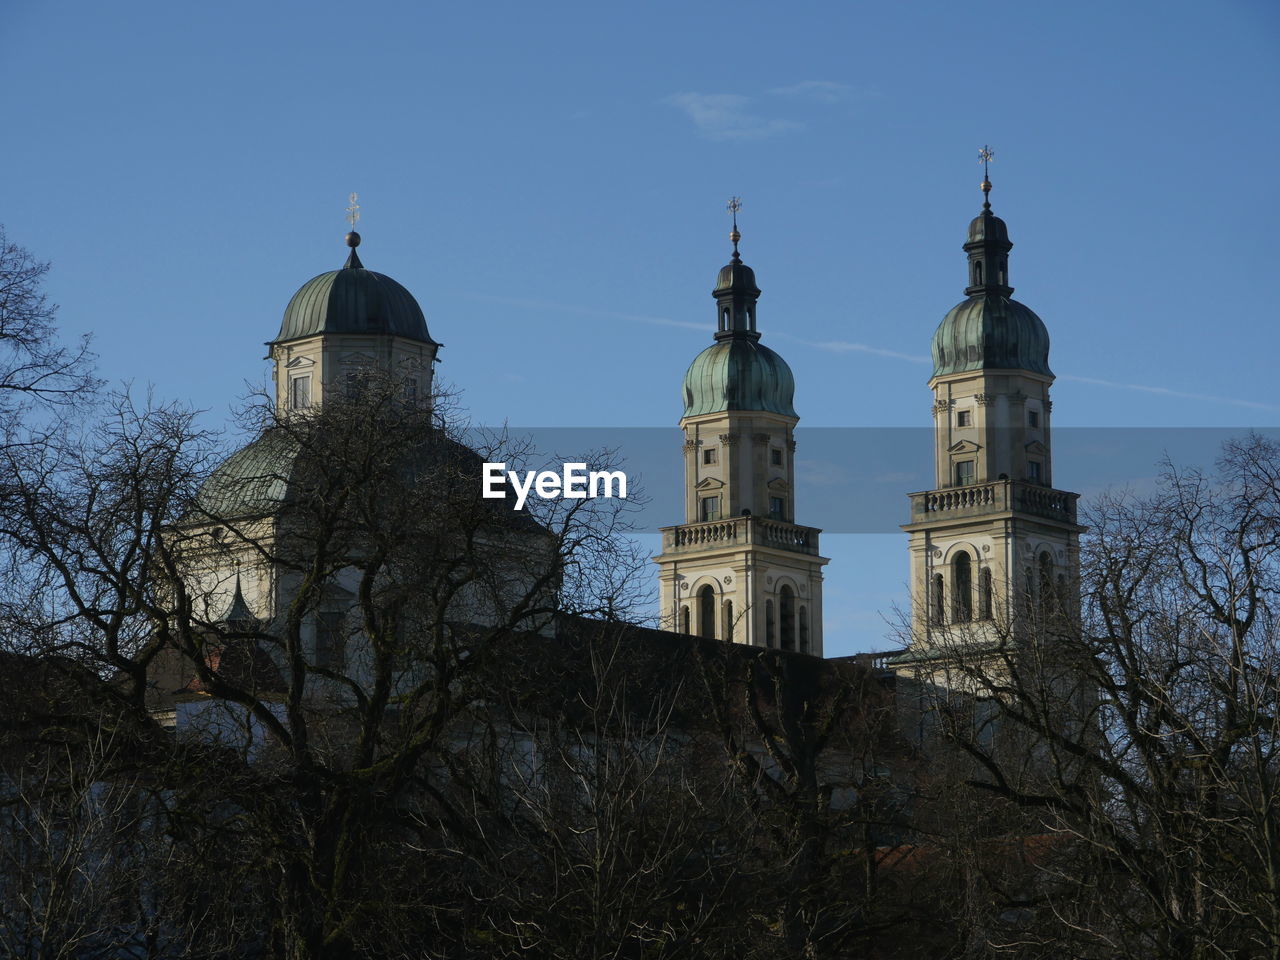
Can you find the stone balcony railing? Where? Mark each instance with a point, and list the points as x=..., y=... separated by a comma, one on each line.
x=739, y=531
x=998, y=496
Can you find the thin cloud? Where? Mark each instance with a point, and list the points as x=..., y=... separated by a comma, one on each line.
x=729, y=116
x=1166, y=392
x=531, y=304
x=824, y=91
x=848, y=346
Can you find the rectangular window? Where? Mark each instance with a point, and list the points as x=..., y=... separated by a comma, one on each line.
x=709, y=455
x=300, y=392
x=1033, y=419
x=411, y=389
x=964, y=472
x=352, y=385
x=964, y=418
x=709, y=508
x=1033, y=471
x=777, y=508
x=775, y=456
x=331, y=640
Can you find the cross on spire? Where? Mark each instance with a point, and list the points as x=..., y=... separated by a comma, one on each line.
x=733, y=206
x=353, y=211
x=985, y=156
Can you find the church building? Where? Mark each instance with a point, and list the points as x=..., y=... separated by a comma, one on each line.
x=994, y=547
x=740, y=568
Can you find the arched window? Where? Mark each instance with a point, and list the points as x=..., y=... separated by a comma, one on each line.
x=937, y=606
x=1045, y=592
x=984, y=594
x=961, y=588
x=684, y=619
x=728, y=620
x=768, y=623
x=977, y=272
x=787, y=614
x=707, y=613
x=804, y=629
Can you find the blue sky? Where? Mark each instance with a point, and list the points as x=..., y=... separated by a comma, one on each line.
x=549, y=180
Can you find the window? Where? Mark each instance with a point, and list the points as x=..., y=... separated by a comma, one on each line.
x=984, y=594
x=937, y=607
x=777, y=508
x=787, y=614
x=354, y=384
x=1033, y=471
x=768, y=623
x=411, y=389
x=964, y=418
x=1046, y=583
x=707, y=613
x=709, y=455
x=961, y=588
x=1033, y=419
x=331, y=641
x=300, y=392
x=964, y=472
x=709, y=508
x=804, y=630
x=684, y=619
x=775, y=457
x=728, y=619
x=977, y=271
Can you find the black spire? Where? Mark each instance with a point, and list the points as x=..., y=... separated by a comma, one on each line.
x=988, y=245
x=353, y=261
x=736, y=291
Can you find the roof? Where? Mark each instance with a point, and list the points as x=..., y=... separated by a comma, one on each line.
x=353, y=300
x=738, y=374
x=990, y=332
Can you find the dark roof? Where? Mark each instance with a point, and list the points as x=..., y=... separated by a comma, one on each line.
x=353, y=300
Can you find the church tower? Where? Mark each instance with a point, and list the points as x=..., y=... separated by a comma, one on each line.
x=739, y=568
x=994, y=547
x=345, y=325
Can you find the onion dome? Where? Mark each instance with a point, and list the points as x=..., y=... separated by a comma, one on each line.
x=353, y=300
x=990, y=330
x=737, y=372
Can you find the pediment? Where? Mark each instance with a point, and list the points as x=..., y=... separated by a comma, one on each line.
x=777, y=483
x=356, y=357
x=1035, y=446
x=300, y=362
x=710, y=483
x=964, y=446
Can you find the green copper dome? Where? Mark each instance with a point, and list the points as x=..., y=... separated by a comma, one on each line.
x=738, y=374
x=989, y=332
x=253, y=482
x=353, y=300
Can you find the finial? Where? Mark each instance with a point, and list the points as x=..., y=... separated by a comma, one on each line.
x=353, y=217
x=985, y=156
x=734, y=205
x=353, y=238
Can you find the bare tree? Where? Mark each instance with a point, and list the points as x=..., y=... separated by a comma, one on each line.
x=33, y=365
x=1142, y=736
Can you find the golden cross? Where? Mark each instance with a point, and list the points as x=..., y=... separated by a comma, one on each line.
x=985, y=156
x=734, y=205
x=353, y=212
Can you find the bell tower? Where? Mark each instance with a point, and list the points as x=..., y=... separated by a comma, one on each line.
x=740, y=568
x=994, y=547
x=345, y=326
